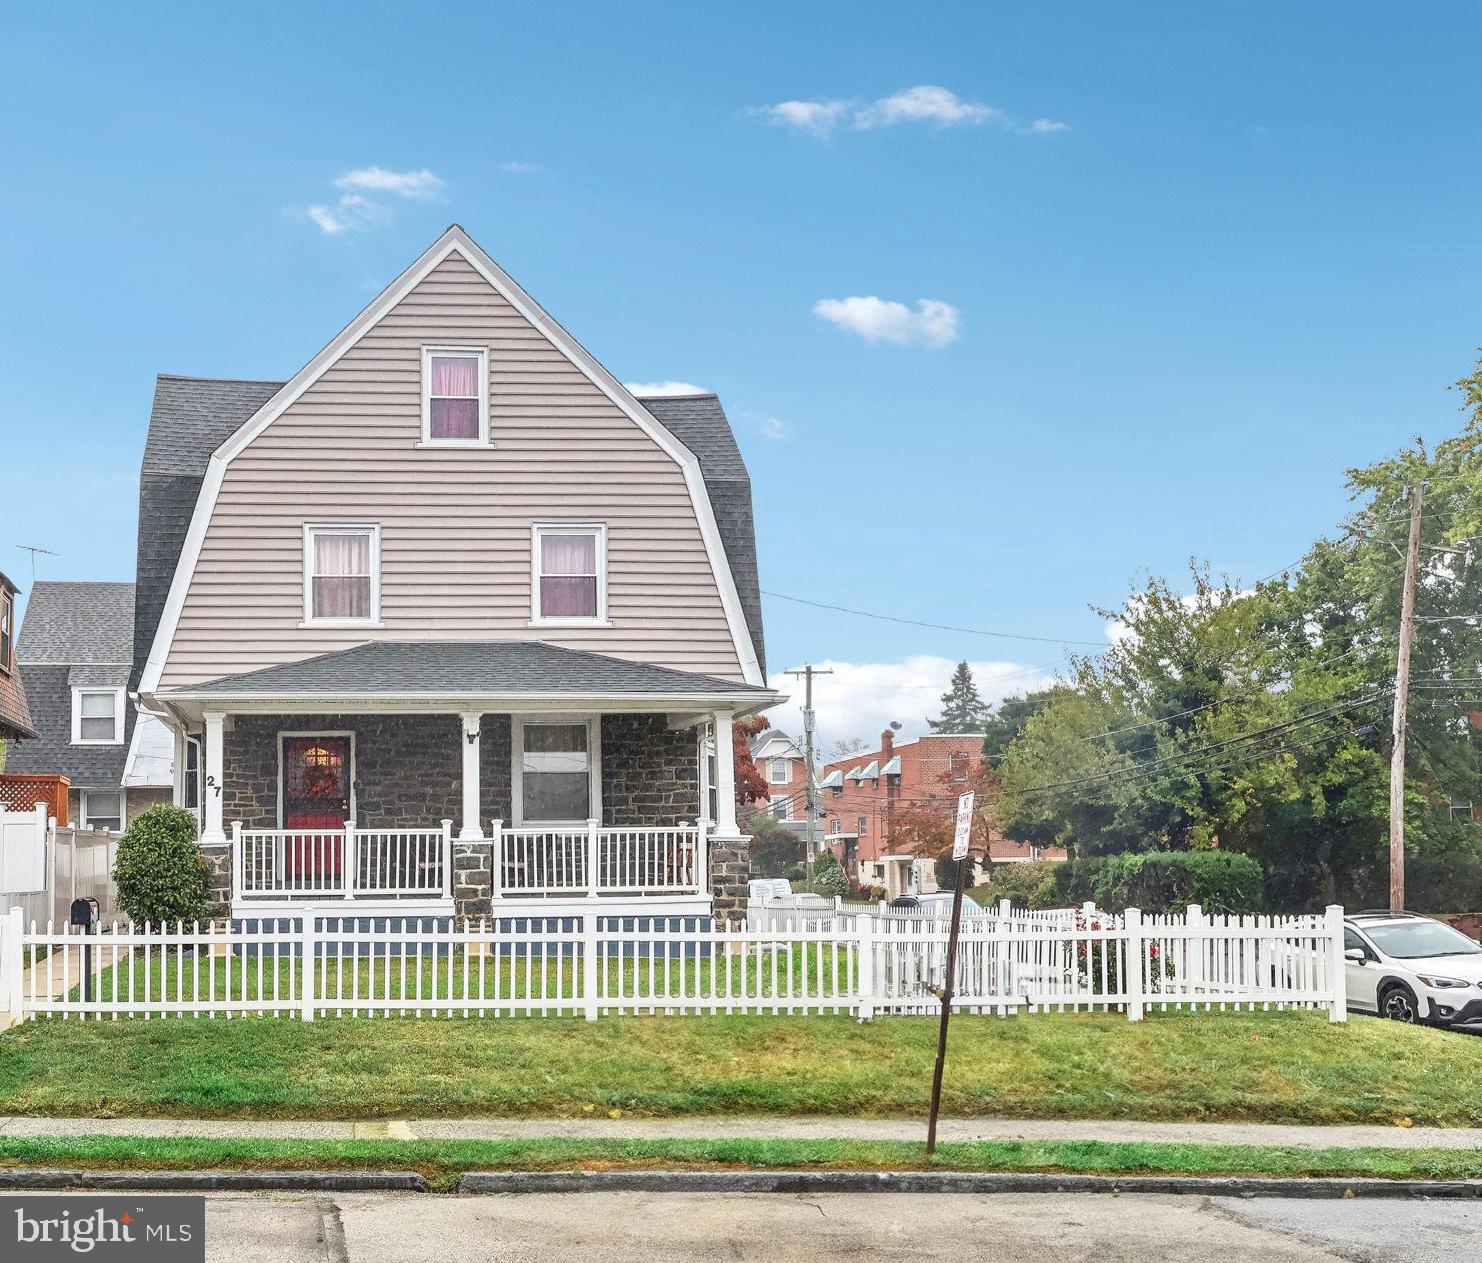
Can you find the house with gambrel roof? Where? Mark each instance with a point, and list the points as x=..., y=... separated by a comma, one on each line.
x=450, y=621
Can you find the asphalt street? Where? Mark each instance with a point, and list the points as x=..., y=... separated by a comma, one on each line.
x=621, y=1227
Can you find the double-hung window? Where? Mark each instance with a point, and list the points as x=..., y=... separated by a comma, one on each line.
x=102, y=809
x=553, y=767
x=568, y=575
x=7, y=630
x=455, y=396
x=97, y=717
x=342, y=575
x=778, y=772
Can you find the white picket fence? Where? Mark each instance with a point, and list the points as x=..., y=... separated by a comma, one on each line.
x=319, y=964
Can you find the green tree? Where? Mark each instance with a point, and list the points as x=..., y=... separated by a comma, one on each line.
x=1256, y=718
x=1006, y=721
x=963, y=710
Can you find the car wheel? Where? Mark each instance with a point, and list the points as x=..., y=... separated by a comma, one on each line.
x=1398, y=1004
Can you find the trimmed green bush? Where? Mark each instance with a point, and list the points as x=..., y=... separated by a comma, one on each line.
x=1159, y=881
x=159, y=871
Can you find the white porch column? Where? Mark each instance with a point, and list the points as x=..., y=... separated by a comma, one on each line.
x=211, y=790
x=725, y=776
x=470, y=832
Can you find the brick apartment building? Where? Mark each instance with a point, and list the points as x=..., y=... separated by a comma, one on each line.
x=861, y=796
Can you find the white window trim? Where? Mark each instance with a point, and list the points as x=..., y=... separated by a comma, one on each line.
x=118, y=717
x=518, y=724
x=372, y=529
x=783, y=801
x=539, y=529
x=772, y=777
x=123, y=806
x=482, y=352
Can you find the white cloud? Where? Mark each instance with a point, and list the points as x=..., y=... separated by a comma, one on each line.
x=415, y=184
x=933, y=323
x=651, y=389
x=775, y=430
x=817, y=117
x=925, y=103
x=520, y=168
x=350, y=213
x=354, y=211
x=860, y=699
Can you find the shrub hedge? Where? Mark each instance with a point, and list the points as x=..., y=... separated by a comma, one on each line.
x=159, y=870
x=1159, y=881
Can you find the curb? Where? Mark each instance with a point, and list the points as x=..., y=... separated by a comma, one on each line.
x=952, y=1182
x=222, y=1181
x=506, y=1182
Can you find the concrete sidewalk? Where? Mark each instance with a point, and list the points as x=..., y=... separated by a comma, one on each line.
x=950, y=1129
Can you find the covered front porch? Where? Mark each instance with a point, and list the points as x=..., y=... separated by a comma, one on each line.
x=413, y=779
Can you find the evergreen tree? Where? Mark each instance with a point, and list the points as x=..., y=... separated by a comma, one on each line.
x=962, y=709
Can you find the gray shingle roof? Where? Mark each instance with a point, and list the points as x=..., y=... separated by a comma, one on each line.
x=193, y=416
x=74, y=635
x=700, y=423
x=78, y=623
x=454, y=668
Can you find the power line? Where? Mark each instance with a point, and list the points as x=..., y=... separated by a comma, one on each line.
x=916, y=622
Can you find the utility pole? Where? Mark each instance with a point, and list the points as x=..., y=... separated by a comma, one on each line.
x=1402, y=707
x=810, y=765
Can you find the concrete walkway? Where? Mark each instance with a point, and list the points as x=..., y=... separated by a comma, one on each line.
x=950, y=1129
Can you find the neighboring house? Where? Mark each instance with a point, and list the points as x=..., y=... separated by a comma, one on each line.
x=862, y=796
x=74, y=650
x=15, y=713
x=780, y=761
x=452, y=570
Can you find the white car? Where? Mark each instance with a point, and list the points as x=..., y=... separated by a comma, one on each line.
x=1412, y=969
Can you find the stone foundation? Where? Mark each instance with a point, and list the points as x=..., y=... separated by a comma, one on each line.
x=472, y=879
x=218, y=858
x=730, y=870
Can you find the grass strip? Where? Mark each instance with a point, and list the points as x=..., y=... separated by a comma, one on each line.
x=442, y=1161
x=1284, y=1067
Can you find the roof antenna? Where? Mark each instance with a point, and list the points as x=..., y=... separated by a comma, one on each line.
x=33, y=549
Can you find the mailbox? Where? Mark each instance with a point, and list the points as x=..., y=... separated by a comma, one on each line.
x=84, y=913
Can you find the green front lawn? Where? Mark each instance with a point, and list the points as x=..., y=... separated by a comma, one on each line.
x=442, y=1161
x=1259, y=1067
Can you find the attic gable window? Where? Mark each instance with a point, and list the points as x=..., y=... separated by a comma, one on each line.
x=568, y=576
x=342, y=575
x=455, y=396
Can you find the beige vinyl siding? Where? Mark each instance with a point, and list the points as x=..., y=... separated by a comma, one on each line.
x=455, y=522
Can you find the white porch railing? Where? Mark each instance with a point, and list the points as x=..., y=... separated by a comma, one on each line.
x=346, y=863
x=593, y=860
x=353, y=862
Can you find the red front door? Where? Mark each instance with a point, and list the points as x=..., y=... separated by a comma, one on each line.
x=316, y=795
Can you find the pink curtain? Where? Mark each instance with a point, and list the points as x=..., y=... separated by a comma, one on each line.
x=455, y=397
x=342, y=585
x=568, y=576
x=568, y=554
x=455, y=375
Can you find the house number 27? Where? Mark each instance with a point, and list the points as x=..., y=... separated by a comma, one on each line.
x=212, y=786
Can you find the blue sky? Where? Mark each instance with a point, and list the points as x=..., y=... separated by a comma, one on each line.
x=1239, y=253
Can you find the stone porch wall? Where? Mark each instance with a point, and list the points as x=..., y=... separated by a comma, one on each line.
x=408, y=773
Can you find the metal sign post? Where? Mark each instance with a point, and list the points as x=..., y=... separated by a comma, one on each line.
x=960, y=842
